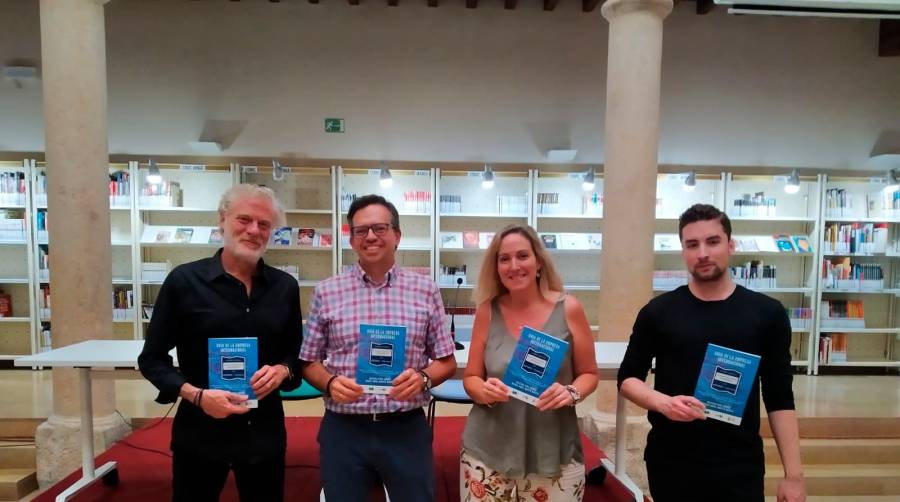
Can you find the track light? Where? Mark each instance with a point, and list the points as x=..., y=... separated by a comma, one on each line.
x=792, y=185
x=588, y=183
x=893, y=181
x=277, y=170
x=690, y=182
x=153, y=175
x=487, y=178
x=385, y=180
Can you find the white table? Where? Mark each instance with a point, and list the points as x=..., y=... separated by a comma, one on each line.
x=101, y=359
x=609, y=356
x=97, y=359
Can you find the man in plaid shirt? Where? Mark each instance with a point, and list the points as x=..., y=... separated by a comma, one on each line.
x=368, y=436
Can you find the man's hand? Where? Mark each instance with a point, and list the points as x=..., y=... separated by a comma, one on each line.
x=267, y=379
x=681, y=408
x=345, y=390
x=791, y=490
x=407, y=385
x=221, y=403
x=556, y=396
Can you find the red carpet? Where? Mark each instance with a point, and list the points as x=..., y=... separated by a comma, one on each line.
x=145, y=466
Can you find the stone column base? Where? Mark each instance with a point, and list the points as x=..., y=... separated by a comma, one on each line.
x=58, y=444
x=600, y=427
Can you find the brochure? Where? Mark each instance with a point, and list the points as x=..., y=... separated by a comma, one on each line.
x=726, y=378
x=382, y=354
x=232, y=362
x=534, y=364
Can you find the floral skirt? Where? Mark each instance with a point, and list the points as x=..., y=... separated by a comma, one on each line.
x=479, y=482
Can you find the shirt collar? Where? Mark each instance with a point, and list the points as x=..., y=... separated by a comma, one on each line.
x=216, y=269
x=361, y=276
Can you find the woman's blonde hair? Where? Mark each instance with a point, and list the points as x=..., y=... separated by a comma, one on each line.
x=489, y=285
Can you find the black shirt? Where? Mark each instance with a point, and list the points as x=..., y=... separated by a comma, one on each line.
x=198, y=301
x=675, y=328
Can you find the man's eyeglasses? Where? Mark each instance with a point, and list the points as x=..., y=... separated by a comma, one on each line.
x=362, y=231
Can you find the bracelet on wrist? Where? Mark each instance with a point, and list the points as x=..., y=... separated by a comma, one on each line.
x=327, y=391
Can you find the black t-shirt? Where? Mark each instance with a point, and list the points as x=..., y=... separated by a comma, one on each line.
x=676, y=328
x=198, y=301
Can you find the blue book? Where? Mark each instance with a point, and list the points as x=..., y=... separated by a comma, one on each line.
x=232, y=362
x=382, y=354
x=534, y=364
x=726, y=378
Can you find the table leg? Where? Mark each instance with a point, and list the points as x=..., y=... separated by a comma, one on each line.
x=89, y=473
x=618, y=469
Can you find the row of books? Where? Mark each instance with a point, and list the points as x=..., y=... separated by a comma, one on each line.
x=119, y=189
x=840, y=273
x=842, y=314
x=855, y=238
x=163, y=194
x=449, y=275
x=549, y=203
x=800, y=317
x=755, y=274
x=12, y=188
x=469, y=239
x=833, y=348
x=12, y=225
x=180, y=235
x=669, y=279
x=416, y=201
x=310, y=237
x=781, y=243
x=756, y=204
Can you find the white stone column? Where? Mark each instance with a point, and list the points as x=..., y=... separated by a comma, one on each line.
x=73, y=53
x=629, y=191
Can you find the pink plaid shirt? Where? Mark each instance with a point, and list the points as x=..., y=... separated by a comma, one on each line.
x=343, y=302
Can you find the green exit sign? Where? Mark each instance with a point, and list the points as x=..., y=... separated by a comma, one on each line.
x=334, y=125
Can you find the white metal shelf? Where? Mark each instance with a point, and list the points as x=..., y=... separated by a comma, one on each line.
x=14, y=319
x=298, y=248
x=765, y=219
x=572, y=216
x=863, y=364
x=163, y=209
x=14, y=280
x=482, y=215
x=850, y=219
x=308, y=211
x=860, y=331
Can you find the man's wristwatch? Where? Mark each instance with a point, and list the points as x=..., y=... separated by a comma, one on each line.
x=576, y=396
x=426, y=380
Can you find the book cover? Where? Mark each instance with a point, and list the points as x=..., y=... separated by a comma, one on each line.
x=281, y=237
x=183, y=235
x=745, y=244
x=534, y=364
x=232, y=363
x=325, y=240
x=382, y=354
x=484, y=239
x=726, y=379
x=306, y=236
x=802, y=244
x=451, y=240
x=163, y=236
x=595, y=241
x=784, y=243
x=215, y=236
x=766, y=244
x=470, y=239
x=666, y=242
x=549, y=240
x=568, y=240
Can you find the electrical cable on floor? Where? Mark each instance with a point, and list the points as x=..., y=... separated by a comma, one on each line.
x=154, y=424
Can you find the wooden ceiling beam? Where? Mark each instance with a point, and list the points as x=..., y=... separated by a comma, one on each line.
x=590, y=5
x=889, y=38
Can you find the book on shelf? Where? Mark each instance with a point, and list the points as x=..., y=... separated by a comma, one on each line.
x=784, y=243
x=451, y=204
x=592, y=204
x=549, y=240
x=163, y=236
x=800, y=317
x=215, y=236
x=6, y=309
x=484, y=239
x=833, y=348
x=595, y=241
x=326, y=239
x=416, y=201
x=451, y=240
x=534, y=364
x=568, y=240
x=838, y=203
x=183, y=235
x=666, y=242
x=345, y=235
x=548, y=203
x=512, y=204
x=756, y=204
x=745, y=244
x=282, y=236
x=855, y=238
x=470, y=239
x=766, y=244
x=306, y=236
x=801, y=242
x=755, y=274
x=842, y=314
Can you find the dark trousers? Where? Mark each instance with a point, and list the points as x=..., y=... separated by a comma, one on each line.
x=354, y=453
x=692, y=482
x=198, y=479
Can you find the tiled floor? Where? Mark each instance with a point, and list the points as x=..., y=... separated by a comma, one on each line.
x=28, y=394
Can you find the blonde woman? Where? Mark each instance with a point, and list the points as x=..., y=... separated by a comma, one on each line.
x=512, y=450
